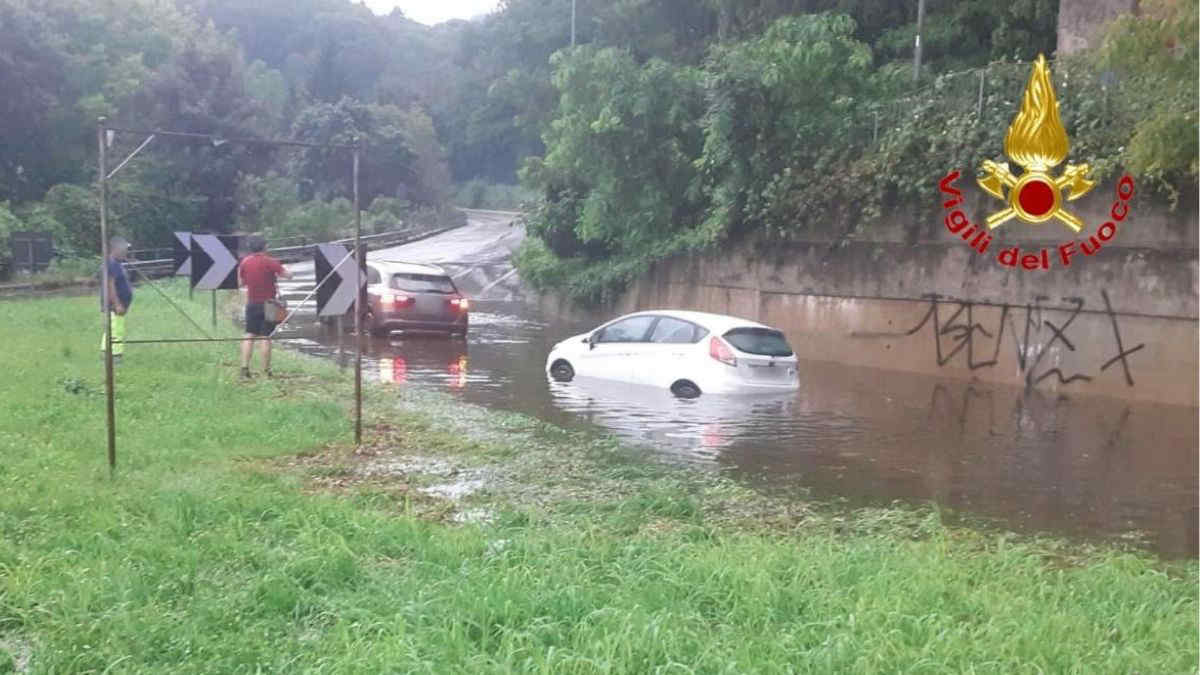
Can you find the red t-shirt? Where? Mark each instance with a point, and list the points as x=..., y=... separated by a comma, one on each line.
x=258, y=276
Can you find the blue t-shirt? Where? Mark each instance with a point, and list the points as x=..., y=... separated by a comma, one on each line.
x=116, y=272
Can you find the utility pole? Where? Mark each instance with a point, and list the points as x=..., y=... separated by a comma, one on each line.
x=917, y=44
x=572, y=23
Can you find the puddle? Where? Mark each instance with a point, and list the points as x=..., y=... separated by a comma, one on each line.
x=406, y=466
x=455, y=491
x=474, y=516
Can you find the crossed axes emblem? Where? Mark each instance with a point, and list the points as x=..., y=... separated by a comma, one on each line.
x=1036, y=196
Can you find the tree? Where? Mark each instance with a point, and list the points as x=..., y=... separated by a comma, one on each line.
x=401, y=155
x=618, y=175
x=779, y=106
x=9, y=223
x=202, y=89
x=1154, y=56
x=33, y=77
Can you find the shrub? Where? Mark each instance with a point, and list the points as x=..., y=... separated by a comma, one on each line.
x=9, y=223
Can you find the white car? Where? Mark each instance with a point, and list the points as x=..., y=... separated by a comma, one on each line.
x=689, y=353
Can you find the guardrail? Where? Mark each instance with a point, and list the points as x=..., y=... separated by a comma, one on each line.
x=166, y=266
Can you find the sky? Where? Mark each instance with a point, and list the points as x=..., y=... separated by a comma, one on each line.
x=430, y=12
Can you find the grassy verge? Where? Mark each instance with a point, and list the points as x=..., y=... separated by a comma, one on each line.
x=242, y=533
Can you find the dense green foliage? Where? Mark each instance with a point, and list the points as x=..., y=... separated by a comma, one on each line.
x=323, y=71
x=504, y=99
x=805, y=134
x=234, y=538
x=480, y=194
x=673, y=124
x=1155, y=57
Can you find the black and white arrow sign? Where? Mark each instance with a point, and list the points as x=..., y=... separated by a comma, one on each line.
x=335, y=297
x=182, y=254
x=214, y=261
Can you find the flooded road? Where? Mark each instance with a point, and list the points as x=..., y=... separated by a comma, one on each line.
x=1081, y=466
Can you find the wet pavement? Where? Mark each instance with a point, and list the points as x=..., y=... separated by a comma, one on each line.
x=1079, y=465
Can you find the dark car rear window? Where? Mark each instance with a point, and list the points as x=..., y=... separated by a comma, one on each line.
x=423, y=283
x=760, y=341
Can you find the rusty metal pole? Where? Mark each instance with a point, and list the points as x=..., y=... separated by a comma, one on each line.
x=340, y=328
x=917, y=42
x=358, y=263
x=110, y=414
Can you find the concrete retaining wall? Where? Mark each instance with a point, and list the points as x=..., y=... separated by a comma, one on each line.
x=1122, y=322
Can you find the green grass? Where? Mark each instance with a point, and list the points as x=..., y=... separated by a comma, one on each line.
x=215, y=548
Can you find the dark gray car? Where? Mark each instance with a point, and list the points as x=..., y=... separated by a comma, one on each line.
x=414, y=297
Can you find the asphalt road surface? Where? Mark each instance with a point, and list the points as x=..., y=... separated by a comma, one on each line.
x=477, y=256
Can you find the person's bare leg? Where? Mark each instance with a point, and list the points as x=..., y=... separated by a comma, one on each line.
x=247, y=350
x=266, y=356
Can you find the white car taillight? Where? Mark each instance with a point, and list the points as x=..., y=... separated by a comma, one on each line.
x=721, y=352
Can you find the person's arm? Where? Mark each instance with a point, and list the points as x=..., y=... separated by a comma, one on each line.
x=282, y=271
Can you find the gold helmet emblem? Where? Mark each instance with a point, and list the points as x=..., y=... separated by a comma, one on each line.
x=1037, y=142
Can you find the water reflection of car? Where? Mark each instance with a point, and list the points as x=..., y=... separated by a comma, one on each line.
x=688, y=353
x=649, y=414
x=411, y=297
x=433, y=360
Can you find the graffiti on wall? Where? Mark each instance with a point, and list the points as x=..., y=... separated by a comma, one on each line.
x=1034, y=336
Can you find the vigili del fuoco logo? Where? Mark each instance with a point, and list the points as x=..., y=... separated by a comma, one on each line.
x=1037, y=142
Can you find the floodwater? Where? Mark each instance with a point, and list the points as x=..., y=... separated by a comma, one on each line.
x=1082, y=466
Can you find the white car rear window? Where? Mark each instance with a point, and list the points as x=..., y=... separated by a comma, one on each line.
x=759, y=341
x=423, y=283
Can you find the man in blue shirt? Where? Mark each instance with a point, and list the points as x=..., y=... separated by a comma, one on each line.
x=120, y=293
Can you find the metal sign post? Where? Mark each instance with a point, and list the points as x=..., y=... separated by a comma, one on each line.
x=106, y=301
x=213, y=263
x=358, y=265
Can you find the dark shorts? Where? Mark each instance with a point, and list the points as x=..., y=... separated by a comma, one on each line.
x=256, y=322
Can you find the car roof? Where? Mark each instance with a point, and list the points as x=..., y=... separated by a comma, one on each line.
x=717, y=323
x=400, y=267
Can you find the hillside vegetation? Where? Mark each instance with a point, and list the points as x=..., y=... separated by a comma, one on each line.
x=670, y=125
x=799, y=131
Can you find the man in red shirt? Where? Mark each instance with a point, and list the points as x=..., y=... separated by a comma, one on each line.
x=257, y=273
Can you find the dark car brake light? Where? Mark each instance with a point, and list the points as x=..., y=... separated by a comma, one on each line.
x=392, y=301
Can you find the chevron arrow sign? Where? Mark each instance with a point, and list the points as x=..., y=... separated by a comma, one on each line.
x=214, y=261
x=182, y=254
x=336, y=296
